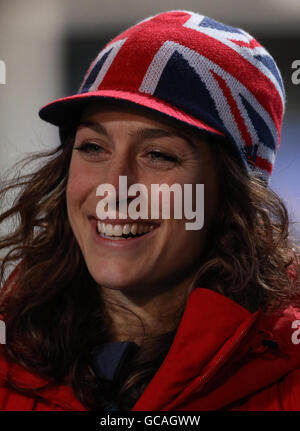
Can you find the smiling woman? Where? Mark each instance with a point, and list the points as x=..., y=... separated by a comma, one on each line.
x=119, y=313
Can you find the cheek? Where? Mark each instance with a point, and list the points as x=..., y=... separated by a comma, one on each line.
x=200, y=202
x=211, y=198
x=78, y=186
x=184, y=247
x=73, y=186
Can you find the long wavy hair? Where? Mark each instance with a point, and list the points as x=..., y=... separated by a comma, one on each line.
x=53, y=311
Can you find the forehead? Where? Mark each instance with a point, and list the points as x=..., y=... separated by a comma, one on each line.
x=127, y=111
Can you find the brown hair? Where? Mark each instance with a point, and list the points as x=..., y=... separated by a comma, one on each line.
x=55, y=316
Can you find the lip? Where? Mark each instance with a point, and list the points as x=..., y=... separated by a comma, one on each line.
x=120, y=244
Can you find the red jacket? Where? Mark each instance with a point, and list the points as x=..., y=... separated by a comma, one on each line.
x=222, y=357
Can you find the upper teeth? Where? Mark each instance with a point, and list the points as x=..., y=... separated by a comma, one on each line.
x=118, y=230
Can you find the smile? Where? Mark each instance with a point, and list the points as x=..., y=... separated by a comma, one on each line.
x=121, y=232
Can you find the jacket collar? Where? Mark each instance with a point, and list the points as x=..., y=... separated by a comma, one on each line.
x=218, y=357
x=211, y=326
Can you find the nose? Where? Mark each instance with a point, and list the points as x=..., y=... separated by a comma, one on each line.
x=121, y=165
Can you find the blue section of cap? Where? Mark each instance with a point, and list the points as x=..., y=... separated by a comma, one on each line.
x=181, y=86
x=264, y=134
x=94, y=72
x=270, y=64
x=109, y=358
x=211, y=23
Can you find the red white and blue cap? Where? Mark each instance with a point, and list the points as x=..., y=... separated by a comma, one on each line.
x=196, y=70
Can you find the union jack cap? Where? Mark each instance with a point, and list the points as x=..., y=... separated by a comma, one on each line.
x=196, y=70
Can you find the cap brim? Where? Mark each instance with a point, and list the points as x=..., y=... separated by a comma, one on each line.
x=64, y=110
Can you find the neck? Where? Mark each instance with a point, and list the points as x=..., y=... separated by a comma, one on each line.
x=136, y=315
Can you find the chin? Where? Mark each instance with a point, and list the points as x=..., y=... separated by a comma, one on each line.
x=115, y=278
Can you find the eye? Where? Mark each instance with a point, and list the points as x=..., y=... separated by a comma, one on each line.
x=158, y=156
x=89, y=148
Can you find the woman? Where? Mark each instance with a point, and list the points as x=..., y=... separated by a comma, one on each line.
x=121, y=314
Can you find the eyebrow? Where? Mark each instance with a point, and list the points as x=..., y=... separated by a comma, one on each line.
x=143, y=134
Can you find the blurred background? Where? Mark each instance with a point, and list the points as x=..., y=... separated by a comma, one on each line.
x=47, y=46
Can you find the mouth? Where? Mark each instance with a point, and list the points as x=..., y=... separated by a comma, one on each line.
x=123, y=232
